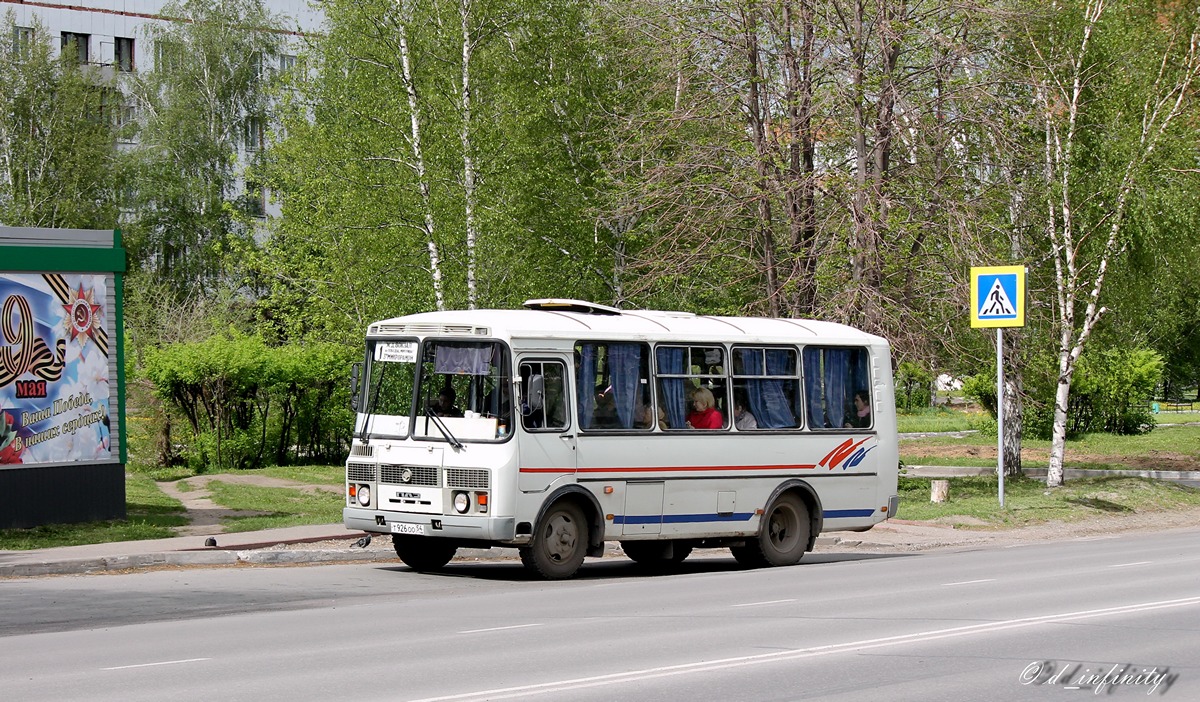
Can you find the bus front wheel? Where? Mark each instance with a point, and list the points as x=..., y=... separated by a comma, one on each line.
x=782, y=538
x=422, y=553
x=559, y=543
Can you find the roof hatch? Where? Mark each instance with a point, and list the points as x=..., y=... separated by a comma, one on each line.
x=554, y=304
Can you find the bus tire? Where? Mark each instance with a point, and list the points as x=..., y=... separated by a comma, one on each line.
x=422, y=553
x=560, y=541
x=782, y=538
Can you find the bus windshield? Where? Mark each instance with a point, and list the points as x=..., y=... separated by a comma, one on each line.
x=467, y=385
x=464, y=384
x=389, y=387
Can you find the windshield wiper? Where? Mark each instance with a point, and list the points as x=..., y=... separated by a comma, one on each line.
x=437, y=422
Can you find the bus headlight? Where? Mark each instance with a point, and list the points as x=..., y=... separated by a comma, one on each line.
x=364, y=495
x=462, y=502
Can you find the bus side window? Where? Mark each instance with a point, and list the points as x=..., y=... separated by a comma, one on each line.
x=543, y=396
x=832, y=376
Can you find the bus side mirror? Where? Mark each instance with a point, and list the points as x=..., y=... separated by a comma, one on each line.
x=355, y=372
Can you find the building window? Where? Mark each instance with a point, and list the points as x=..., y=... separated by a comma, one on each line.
x=254, y=134
x=80, y=42
x=286, y=63
x=255, y=199
x=123, y=54
x=22, y=41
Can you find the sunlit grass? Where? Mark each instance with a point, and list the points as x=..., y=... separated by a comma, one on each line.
x=974, y=501
x=150, y=514
x=283, y=506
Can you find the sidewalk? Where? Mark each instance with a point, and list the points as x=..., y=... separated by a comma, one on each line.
x=333, y=543
x=328, y=543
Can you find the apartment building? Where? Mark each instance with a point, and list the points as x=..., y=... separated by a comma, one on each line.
x=112, y=35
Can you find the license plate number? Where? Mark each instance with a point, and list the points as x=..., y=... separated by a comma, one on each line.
x=417, y=529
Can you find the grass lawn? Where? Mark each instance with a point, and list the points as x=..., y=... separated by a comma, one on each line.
x=1165, y=448
x=149, y=515
x=974, y=500
x=284, y=506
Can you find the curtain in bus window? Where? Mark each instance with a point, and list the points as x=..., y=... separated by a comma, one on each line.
x=813, y=390
x=673, y=389
x=778, y=410
x=471, y=360
x=768, y=402
x=624, y=362
x=837, y=371
x=862, y=372
x=585, y=384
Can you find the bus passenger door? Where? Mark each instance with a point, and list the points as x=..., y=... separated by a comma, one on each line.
x=643, y=508
x=547, y=438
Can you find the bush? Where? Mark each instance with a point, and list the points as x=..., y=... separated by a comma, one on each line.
x=247, y=404
x=1112, y=391
x=913, y=385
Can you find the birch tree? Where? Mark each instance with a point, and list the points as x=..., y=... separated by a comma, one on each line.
x=1112, y=82
x=59, y=164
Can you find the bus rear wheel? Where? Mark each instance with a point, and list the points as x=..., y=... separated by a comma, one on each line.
x=559, y=543
x=782, y=538
x=422, y=553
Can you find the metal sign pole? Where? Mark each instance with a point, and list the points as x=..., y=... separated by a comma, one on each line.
x=1000, y=410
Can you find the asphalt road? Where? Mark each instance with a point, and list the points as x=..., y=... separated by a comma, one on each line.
x=1021, y=623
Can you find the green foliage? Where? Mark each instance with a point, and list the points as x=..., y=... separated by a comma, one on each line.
x=59, y=162
x=1113, y=389
x=354, y=224
x=247, y=404
x=982, y=389
x=206, y=91
x=914, y=385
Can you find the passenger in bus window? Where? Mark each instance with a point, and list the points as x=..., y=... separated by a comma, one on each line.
x=704, y=414
x=643, y=417
x=861, y=416
x=443, y=406
x=743, y=419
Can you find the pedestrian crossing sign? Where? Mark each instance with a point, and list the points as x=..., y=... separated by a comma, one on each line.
x=998, y=296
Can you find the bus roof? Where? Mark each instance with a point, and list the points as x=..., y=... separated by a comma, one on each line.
x=575, y=319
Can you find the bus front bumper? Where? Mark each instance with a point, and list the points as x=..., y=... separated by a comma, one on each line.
x=446, y=526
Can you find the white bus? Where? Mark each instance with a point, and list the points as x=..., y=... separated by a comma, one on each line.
x=558, y=427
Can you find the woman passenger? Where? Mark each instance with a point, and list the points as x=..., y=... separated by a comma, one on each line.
x=704, y=414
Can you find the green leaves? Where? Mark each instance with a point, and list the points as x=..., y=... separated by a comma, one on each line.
x=59, y=163
x=249, y=404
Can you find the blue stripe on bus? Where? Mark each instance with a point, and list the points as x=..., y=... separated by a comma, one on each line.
x=735, y=517
x=838, y=513
x=680, y=518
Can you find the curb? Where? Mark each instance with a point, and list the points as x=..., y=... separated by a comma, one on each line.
x=84, y=566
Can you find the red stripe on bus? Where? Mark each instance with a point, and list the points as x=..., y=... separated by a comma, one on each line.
x=668, y=469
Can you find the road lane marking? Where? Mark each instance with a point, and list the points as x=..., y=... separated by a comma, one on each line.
x=632, y=676
x=1126, y=565
x=147, y=665
x=970, y=582
x=759, y=604
x=499, y=628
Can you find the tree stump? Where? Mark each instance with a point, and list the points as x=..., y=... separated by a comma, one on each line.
x=940, y=490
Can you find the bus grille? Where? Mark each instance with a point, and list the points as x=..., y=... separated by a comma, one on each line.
x=360, y=472
x=365, y=450
x=466, y=478
x=417, y=475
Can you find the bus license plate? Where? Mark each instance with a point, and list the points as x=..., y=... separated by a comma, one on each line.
x=400, y=528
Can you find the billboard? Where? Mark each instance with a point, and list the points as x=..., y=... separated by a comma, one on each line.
x=55, y=365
